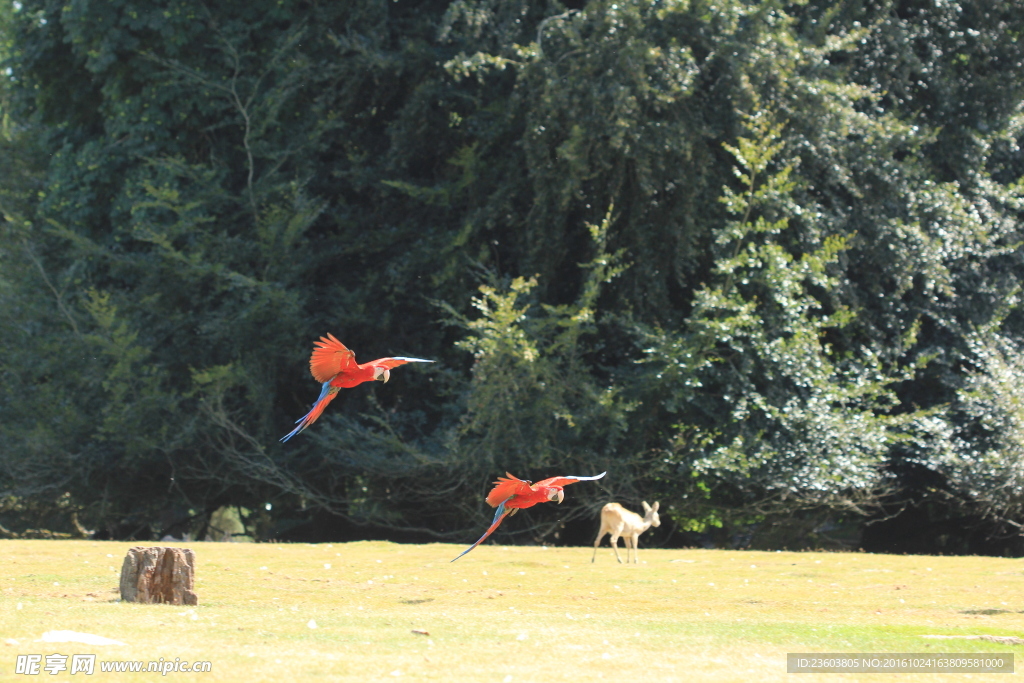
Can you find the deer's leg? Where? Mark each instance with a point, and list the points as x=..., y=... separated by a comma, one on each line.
x=615, y=547
x=600, y=535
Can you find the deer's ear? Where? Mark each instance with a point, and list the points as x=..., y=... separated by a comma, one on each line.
x=655, y=506
x=646, y=506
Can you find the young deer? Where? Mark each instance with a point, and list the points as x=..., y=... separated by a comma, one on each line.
x=618, y=521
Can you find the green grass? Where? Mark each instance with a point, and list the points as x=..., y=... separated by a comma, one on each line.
x=507, y=613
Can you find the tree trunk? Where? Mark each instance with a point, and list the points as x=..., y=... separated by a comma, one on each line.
x=159, y=575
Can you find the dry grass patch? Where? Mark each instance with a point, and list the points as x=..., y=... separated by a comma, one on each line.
x=381, y=611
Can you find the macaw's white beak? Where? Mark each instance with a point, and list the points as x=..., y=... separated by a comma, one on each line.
x=381, y=374
x=556, y=494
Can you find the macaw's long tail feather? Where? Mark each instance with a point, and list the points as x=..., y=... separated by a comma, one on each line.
x=499, y=515
x=327, y=395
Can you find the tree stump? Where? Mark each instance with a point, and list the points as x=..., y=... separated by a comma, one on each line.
x=159, y=575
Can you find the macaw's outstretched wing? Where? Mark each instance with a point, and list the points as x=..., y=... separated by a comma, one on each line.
x=565, y=481
x=393, y=362
x=505, y=488
x=499, y=515
x=327, y=395
x=330, y=357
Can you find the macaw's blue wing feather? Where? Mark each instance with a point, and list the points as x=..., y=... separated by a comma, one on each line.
x=565, y=481
x=326, y=396
x=394, y=362
x=499, y=515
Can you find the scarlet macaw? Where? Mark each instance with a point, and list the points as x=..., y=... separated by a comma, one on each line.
x=510, y=495
x=333, y=364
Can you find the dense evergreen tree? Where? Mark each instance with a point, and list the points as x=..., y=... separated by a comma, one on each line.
x=759, y=259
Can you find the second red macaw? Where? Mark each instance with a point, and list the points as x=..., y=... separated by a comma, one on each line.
x=334, y=365
x=511, y=494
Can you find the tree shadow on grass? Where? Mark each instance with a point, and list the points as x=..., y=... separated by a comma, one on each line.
x=990, y=611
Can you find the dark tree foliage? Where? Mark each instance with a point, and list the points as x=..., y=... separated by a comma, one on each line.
x=757, y=259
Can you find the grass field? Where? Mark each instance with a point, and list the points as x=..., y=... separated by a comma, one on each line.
x=375, y=611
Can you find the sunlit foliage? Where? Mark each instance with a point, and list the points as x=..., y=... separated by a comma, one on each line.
x=758, y=259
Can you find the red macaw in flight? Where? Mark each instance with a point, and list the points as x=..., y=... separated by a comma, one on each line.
x=510, y=495
x=333, y=364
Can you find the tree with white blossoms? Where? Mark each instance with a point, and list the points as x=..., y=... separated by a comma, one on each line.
x=979, y=448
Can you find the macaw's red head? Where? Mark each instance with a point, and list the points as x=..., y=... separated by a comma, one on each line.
x=381, y=374
x=556, y=493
